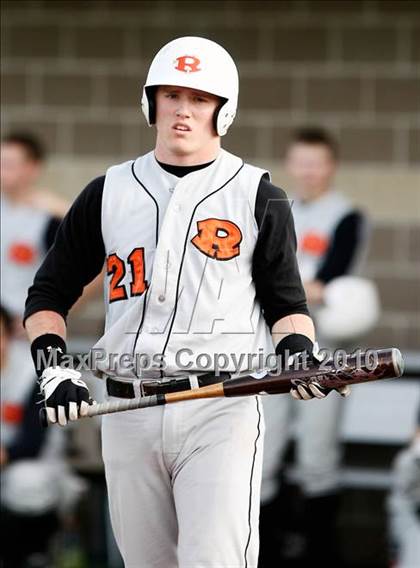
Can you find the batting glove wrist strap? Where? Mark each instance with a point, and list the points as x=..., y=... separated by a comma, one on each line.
x=292, y=344
x=66, y=396
x=47, y=350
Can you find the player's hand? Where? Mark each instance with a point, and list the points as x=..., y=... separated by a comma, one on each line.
x=66, y=396
x=308, y=390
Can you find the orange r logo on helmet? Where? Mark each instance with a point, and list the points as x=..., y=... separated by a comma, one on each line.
x=218, y=238
x=188, y=63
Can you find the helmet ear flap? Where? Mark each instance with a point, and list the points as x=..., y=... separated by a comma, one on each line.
x=224, y=117
x=148, y=104
x=151, y=98
x=221, y=104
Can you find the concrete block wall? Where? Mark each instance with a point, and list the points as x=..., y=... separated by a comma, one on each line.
x=72, y=72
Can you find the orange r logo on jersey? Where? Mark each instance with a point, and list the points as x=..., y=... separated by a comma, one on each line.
x=188, y=63
x=218, y=238
x=313, y=243
x=22, y=253
x=12, y=412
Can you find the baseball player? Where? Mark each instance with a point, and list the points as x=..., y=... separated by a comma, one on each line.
x=37, y=485
x=28, y=499
x=330, y=241
x=27, y=229
x=403, y=505
x=200, y=255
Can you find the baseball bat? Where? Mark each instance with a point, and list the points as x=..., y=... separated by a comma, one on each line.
x=388, y=363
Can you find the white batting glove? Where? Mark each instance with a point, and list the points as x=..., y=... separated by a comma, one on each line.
x=66, y=396
x=309, y=391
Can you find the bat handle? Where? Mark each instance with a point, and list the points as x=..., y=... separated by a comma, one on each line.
x=110, y=407
x=43, y=416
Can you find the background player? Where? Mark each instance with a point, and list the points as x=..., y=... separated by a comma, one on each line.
x=29, y=218
x=331, y=237
x=37, y=487
x=193, y=238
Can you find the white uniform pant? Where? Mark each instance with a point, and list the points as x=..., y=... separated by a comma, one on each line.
x=403, y=502
x=317, y=437
x=184, y=483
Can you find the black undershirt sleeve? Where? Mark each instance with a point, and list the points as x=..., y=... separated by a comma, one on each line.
x=50, y=232
x=344, y=246
x=31, y=435
x=275, y=271
x=76, y=257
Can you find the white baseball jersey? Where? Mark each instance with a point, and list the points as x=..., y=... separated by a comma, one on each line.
x=179, y=253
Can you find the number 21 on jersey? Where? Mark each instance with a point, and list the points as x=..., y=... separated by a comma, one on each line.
x=117, y=268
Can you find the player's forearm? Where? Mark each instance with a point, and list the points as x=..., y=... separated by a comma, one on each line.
x=44, y=322
x=294, y=323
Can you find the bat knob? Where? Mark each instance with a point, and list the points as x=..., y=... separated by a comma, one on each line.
x=43, y=417
x=398, y=362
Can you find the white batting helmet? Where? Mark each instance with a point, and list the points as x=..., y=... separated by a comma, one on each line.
x=351, y=309
x=197, y=63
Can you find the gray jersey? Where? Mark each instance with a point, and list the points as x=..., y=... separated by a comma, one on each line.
x=315, y=223
x=22, y=250
x=17, y=382
x=179, y=253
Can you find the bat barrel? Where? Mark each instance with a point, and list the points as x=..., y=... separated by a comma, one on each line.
x=364, y=367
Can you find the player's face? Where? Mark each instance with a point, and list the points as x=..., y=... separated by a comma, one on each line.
x=18, y=172
x=184, y=123
x=312, y=168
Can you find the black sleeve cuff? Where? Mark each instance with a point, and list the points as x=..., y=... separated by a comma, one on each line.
x=47, y=350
